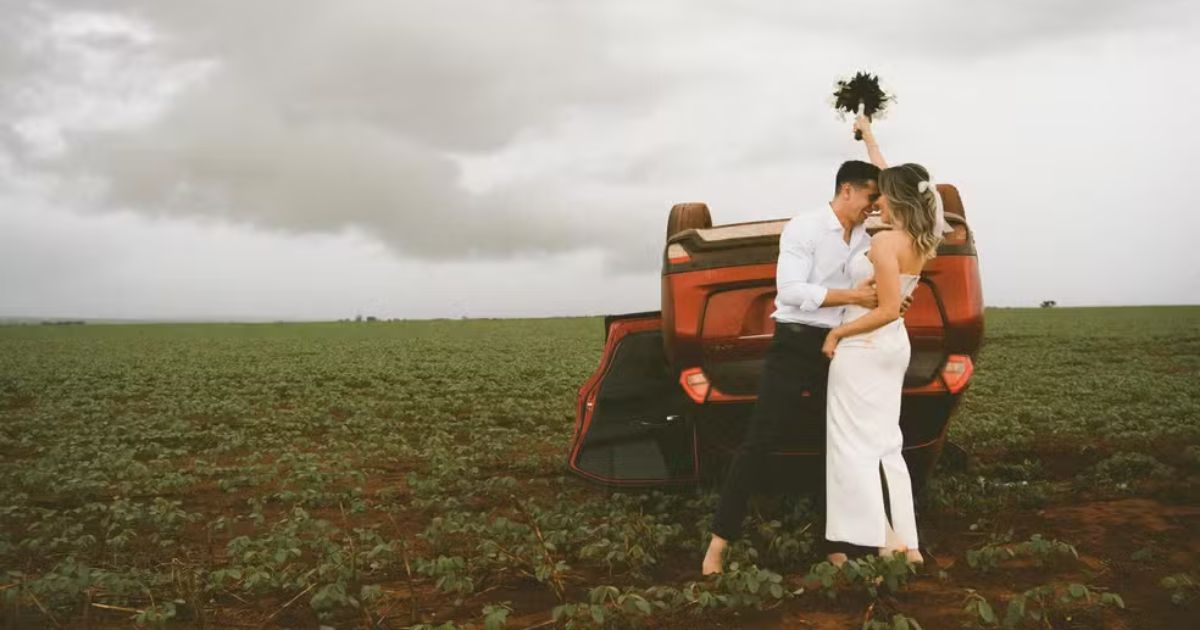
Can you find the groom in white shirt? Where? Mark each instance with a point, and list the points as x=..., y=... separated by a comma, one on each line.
x=813, y=284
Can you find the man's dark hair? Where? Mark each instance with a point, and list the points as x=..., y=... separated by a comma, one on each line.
x=855, y=172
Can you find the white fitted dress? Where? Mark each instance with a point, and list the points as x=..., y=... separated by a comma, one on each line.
x=863, y=429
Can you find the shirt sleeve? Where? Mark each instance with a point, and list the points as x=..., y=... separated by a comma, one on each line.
x=797, y=247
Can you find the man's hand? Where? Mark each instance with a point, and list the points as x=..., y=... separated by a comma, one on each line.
x=867, y=297
x=904, y=304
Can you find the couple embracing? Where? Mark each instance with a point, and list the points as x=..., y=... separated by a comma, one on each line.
x=839, y=354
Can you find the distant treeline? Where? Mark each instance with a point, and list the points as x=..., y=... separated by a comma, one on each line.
x=372, y=318
x=65, y=322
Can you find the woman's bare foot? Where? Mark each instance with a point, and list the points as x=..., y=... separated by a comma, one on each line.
x=712, y=558
x=893, y=544
x=837, y=559
x=912, y=556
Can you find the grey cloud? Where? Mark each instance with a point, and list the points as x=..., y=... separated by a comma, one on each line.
x=253, y=168
x=457, y=75
x=348, y=115
x=969, y=29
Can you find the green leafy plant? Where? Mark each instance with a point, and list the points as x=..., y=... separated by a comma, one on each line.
x=1040, y=550
x=1038, y=604
x=870, y=575
x=1183, y=587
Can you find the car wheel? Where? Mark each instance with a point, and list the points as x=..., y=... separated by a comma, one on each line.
x=687, y=216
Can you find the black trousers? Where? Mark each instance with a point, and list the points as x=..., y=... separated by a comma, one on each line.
x=791, y=401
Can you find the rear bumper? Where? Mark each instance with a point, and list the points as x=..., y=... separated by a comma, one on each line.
x=951, y=378
x=924, y=421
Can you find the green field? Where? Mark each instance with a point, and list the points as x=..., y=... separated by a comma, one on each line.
x=409, y=473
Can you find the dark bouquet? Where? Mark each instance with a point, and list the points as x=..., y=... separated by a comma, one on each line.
x=860, y=94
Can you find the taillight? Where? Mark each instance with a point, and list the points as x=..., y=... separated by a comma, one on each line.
x=957, y=372
x=695, y=384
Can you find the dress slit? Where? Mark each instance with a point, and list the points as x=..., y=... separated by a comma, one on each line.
x=887, y=497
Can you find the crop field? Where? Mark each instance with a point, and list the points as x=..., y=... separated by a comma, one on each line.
x=412, y=474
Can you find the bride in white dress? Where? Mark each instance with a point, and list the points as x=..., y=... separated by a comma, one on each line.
x=870, y=354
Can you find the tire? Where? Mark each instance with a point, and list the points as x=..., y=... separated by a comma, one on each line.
x=687, y=216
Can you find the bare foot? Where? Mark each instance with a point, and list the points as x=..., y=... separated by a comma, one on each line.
x=838, y=559
x=912, y=556
x=712, y=558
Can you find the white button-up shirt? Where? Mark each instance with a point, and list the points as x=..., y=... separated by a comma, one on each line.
x=813, y=258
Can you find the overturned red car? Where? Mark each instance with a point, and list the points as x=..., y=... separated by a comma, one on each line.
x=674, y=390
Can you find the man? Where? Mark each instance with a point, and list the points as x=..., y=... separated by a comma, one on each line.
x=812, y=285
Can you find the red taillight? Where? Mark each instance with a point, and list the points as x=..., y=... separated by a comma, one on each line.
x=695, y=384
x=957, y=372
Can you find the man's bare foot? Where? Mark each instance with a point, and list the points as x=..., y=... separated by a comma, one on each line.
x=837, y=559
x=712, y=558
x=887, y=552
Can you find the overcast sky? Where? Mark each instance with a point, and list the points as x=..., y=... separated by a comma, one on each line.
x=315, y=160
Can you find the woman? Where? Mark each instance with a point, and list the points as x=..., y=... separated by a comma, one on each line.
x=870, y=353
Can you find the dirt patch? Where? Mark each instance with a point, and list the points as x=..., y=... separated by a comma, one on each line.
x=18, y=402
x=1123, y=523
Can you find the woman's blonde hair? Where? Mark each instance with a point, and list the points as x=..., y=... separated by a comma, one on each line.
x=916, y=209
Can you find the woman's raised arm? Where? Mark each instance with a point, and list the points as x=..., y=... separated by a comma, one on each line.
x=863, y=124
